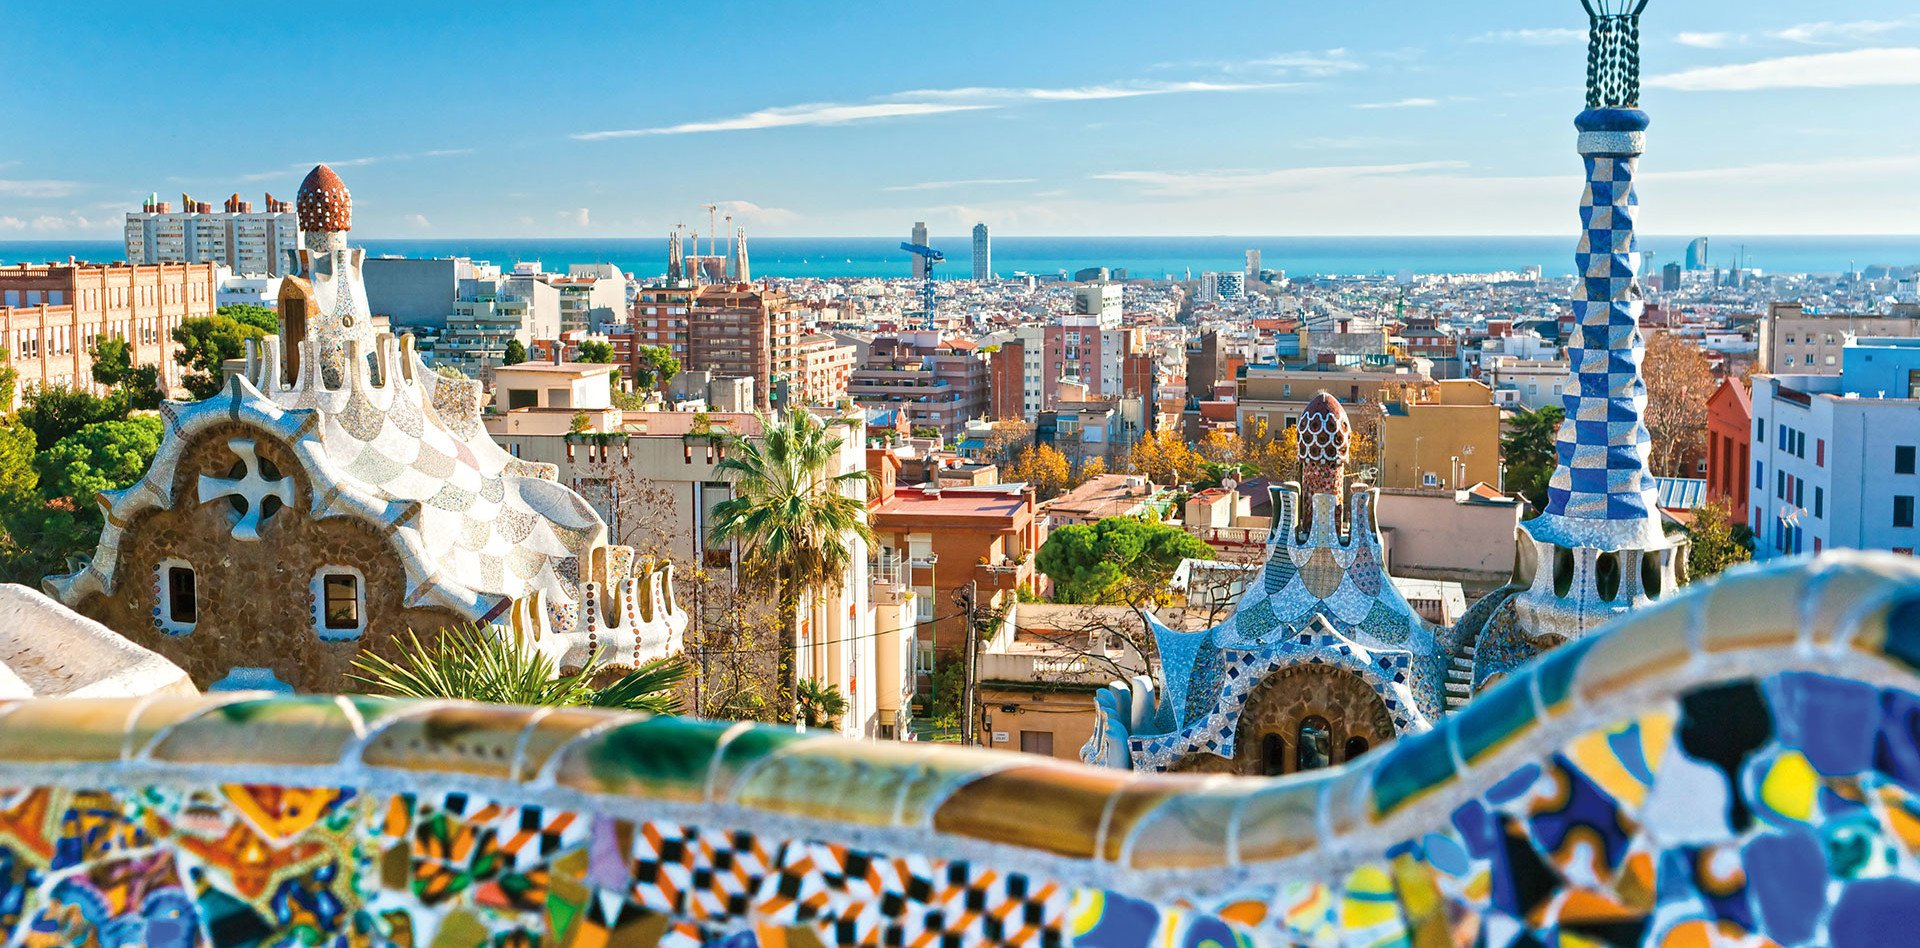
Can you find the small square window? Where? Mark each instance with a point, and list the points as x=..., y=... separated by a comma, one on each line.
x=183, y=600
x=341, y=592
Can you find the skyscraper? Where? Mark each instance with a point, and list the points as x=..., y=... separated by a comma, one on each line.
x=982, y=253
x=920, y=264
x=1697, y=254
x=1253, y=265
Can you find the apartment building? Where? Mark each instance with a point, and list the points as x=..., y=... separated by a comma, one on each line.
x=742, y=330
x=593, y=296
x=1442, y=436
x=931, y=381
x=1729, y=443
x=238, y=237
x=1271, y=397
x=1795, y=342
x=940, y=540
x=52, y=314
x=1836, y=458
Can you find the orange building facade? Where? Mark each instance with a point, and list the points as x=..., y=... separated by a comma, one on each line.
x=1729, y=441
x=51, y=316
x=941, y=539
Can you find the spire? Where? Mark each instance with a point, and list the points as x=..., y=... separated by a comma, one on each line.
x=675, y=257
x=742, y=273
x=325, y=205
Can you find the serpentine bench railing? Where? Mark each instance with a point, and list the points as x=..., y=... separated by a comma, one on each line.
x=1740, y=759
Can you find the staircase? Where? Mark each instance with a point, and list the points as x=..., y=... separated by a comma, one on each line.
x=1460, y=679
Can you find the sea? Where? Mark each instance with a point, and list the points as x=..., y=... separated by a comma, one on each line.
x=1140, y=257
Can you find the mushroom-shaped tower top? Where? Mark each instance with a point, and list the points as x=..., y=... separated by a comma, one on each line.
x=324, y=203
x=1325, y=438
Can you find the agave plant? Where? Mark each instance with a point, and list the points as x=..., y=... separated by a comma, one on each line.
x=472, y=663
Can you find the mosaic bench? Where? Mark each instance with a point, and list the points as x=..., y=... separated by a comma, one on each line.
x=1741, y=761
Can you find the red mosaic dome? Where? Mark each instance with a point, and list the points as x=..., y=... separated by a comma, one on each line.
x=324, y=203
x=1325, y=436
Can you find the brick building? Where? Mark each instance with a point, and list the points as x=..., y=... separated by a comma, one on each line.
x=52, y=314
x=941, y=539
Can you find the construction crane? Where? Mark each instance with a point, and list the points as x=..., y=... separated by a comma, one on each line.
x=932, y=257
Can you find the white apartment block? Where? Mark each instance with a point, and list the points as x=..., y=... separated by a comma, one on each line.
x=245, y=241
x=1836, y=458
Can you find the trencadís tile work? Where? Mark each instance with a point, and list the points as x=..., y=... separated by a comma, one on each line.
x=1741, y=760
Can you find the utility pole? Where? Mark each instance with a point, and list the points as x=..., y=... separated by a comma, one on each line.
x=968, y=599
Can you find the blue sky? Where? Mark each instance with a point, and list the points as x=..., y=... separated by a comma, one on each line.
x=482, y=119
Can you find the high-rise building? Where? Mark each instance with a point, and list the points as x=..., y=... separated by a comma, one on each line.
x=932, y=382
x=242, y=239
x=1670, y=278
x=982, y=253
x=920, y=263
x=1253, y=265
x=747, y=331
x=1215, y=287
x=1697, y=254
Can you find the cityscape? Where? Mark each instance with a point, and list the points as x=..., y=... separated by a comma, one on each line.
x=1296, y=557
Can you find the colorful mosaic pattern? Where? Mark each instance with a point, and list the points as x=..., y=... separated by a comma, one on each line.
x=383, y=438
x=1603, y=475
x=1322, y=597
x=1740, y=765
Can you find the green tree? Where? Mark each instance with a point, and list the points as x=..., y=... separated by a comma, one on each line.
x=657, y=366
x=580, y=424
x=516, y=353
x=793, y=515
x=1528, y=450
x=1719, y=541
x=596, y=351
x=821, y=704
x=205, y=343
x=19, y=478
x=113, y=367
x=55, y=412
x=471, y=663
x=1108, y=561
x=105, y=455
x=264, y=318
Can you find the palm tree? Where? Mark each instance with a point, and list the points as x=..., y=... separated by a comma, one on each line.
x=476, y=664
x=820, y=703
x=792, y=515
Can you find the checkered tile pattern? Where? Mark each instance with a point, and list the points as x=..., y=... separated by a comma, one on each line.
x=1603, y=445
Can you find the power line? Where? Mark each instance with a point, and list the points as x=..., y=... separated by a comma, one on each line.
x=850, y=638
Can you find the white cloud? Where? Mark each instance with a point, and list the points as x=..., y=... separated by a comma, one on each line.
x=1400, y=104
x=12, y=223
x=1707, y=40
x=418, y=220
x=1860, y=67
x=579, y=216
x=299, y=169
x=43, y=188
x=1833, y=31
x=1539, y=37
x=820, y=113
x=747, y=212
x=71, y=221
x=962, y=183
x=1788, y=172
x=921, y=102
x=1188, y=183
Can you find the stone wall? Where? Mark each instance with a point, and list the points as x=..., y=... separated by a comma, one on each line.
x=1280, y=704
x=255, y=598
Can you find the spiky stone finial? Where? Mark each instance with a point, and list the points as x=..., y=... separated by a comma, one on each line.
x=1613, y=53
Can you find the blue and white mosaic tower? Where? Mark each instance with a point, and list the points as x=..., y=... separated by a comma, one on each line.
x=1598, y=549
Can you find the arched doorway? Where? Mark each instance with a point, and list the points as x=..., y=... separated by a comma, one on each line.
x=1302, y=717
